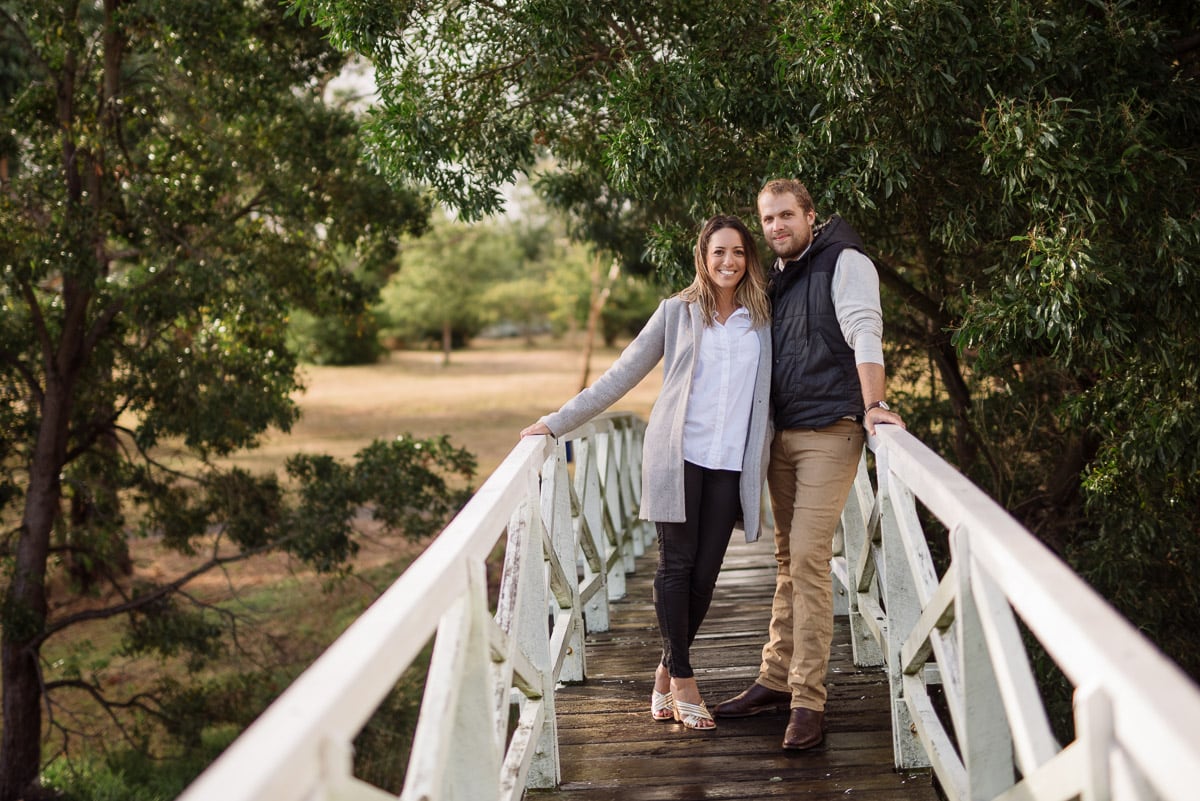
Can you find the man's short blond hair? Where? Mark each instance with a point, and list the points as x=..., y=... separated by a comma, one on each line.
x=785, y=186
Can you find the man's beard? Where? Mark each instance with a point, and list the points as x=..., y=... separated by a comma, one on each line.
x=796, y=248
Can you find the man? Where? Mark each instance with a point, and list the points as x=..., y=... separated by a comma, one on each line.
x=827, y=385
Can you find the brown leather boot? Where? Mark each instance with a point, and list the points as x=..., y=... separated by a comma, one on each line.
x=753, y=701
x=805, y=729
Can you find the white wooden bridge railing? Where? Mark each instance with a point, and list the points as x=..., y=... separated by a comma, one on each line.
x=485, y=664
x=1136, y=715
x=960, y=636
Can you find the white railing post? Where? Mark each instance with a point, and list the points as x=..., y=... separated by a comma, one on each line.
x=642, y=531
x=984, y=733
x=615, y=520
x=630, y=488
x=903, y=609
x=556, y=516
x=592, y=539
x=522, y=613
x=856, y=535
x=455, y=754
x=591, y=487
x=632, y=477
x=1094, y=729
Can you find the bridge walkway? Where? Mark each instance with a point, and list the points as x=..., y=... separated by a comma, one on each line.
x=611, y=749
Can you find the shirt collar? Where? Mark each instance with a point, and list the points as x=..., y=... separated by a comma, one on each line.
x=740, y=311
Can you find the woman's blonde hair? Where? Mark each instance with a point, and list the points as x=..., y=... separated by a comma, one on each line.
x=751, y=291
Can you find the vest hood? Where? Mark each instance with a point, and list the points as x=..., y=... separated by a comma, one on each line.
x=834, y=231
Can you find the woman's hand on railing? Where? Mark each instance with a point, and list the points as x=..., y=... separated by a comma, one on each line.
x=537, y=429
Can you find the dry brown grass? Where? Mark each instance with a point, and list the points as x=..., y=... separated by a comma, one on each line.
x=482, y=400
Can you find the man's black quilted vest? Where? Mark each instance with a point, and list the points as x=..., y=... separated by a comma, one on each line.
x=814, y=380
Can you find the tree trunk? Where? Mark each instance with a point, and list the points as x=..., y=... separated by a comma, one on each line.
x=600, y=293
x=20, y=753
x=25, y=603
x=447, y=342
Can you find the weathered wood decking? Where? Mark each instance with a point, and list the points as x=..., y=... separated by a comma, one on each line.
x=612, y=750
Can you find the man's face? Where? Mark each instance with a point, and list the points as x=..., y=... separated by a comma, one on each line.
x=787, y=227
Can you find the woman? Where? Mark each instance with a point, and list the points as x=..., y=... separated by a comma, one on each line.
x=706, y=443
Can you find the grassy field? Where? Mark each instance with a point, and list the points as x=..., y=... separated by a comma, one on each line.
x=482, y=399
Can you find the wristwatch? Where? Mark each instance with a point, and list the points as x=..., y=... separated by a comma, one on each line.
x=877, y=405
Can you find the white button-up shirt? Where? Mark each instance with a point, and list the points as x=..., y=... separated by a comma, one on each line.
x=718, y=409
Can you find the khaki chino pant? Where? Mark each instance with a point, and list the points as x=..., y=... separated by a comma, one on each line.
x=809, y=479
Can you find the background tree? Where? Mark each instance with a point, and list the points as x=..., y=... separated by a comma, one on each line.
x=522, y=274
x=171, y=183
x=437, y=294
x=524, y=300
x=631, y=303
x=1026, y=177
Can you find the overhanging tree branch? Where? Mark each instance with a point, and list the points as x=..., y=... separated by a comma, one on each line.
x=160, y=592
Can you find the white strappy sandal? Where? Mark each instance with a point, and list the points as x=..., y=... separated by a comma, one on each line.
x=691, y=715
x=662, y=706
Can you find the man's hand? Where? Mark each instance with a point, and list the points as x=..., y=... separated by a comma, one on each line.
x=877, y=416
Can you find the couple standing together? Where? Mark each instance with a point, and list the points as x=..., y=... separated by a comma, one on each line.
x=762, y=377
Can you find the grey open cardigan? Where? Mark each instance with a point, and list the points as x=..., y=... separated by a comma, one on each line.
x=673, y=336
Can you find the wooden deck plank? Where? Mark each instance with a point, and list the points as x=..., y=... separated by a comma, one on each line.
x=612, y=750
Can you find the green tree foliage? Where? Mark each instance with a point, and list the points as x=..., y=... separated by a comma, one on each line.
x=631, y=303
x=1025, y=174
x=334, y=340
x=171, y=184
x=461, y=276
x=438, y=291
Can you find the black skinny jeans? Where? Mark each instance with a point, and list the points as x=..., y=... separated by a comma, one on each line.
x=689, y=558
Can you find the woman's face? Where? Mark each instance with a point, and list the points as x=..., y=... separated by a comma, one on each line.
x=725, y=259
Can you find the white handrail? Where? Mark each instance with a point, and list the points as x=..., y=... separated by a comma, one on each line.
x=484, y=665
x=1136, y=714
